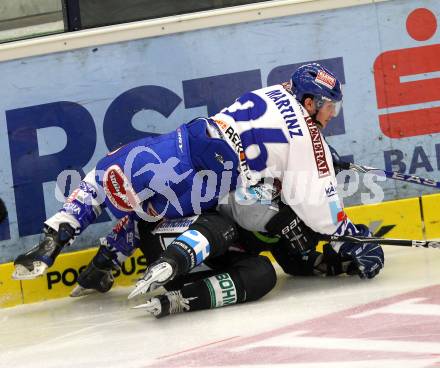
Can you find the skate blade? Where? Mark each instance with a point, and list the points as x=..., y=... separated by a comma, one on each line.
x=143, y=287
x=140, y=288
x=80, y=291
x=142, y=306
x=153, y=307
x=22, y=273
x=162, y=274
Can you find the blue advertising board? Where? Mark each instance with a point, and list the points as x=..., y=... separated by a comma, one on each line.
x=66, y=110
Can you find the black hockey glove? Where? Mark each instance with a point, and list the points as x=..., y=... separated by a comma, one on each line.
x=338, y=164
x=3, y=211
x=290, y=227
x=367, y=259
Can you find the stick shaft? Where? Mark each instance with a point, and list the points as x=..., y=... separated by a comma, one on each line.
x=393, y=175
x=384, y=241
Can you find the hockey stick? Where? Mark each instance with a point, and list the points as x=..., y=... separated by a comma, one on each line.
x=384, y=241
x=389, y=174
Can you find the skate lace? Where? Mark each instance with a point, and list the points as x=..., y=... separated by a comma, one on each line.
x=177, y=302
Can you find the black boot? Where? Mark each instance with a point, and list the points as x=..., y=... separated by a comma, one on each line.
x=36, y=261
x=97, y=276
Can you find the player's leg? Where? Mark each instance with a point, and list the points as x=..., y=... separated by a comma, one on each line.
x=114, y=250
x=209, y=236
x=80, y=210
x=248, y=279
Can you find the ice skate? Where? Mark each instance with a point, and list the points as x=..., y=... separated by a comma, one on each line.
x=171, y=302
x=158, y=274
x=36, y=261
x=92, y=280
x=78, y=291
x=97, y=277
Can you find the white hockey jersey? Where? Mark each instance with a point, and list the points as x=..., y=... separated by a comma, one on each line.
x=274, y=137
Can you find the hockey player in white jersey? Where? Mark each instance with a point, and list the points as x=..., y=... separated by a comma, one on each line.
x=275, y=132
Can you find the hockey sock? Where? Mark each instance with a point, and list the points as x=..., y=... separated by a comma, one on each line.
x=188, y=250
x=213, y=292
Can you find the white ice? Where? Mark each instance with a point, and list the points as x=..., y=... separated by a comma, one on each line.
x=302, y=323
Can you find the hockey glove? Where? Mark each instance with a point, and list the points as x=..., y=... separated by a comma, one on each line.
x=367, y=259
x=290, y=227
x=338, y=164
x=122, y=241
x=114, y=250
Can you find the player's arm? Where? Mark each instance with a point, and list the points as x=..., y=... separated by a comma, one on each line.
x=296, y=251
x=309, y=188
x=79, y=211
x=309, y=184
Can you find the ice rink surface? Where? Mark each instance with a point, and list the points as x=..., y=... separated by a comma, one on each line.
x=390, y=321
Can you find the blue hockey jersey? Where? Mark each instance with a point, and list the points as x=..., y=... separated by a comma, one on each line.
x=172, y=175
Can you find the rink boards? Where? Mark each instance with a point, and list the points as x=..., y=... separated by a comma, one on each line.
x=413, y=218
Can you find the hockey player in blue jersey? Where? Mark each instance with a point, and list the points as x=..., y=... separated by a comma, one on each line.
x=147, y=179
x=272, y=133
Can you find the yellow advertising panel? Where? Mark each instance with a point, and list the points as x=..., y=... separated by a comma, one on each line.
x=394, y=219
x=398, y=219
x=431, y=215
x=10, y=290
x=60, y=279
